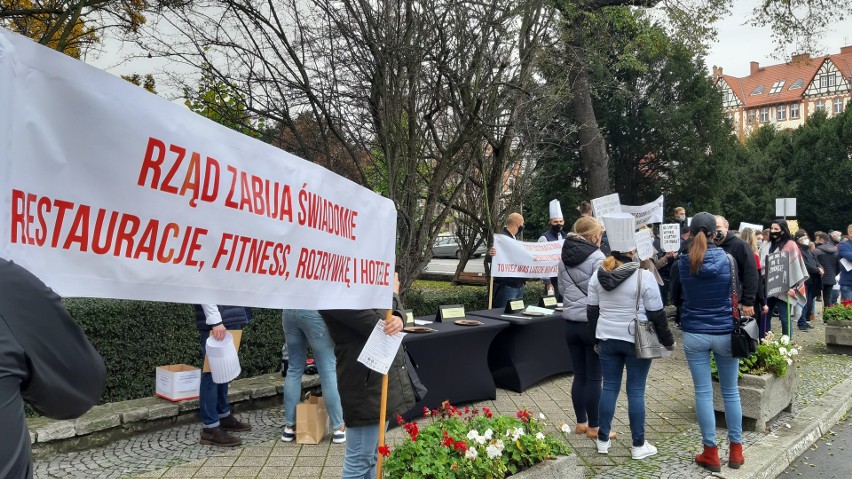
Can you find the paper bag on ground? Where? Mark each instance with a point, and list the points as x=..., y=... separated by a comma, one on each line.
x=311, y=421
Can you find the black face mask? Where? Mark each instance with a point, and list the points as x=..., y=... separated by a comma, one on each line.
x=556, y=228
x=719, y=236
x=775, y=235
x=520, y=230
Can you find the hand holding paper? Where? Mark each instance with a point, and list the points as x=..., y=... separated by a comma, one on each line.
x=380, y=349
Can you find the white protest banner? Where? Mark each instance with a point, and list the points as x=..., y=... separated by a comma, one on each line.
x=644, y=245
x=751, y=226
x=606, y=204
x=109, y=191
x=670, y=237
x=648, y=213
x=527, y=260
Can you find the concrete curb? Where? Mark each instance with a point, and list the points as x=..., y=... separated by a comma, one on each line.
x=769, y=457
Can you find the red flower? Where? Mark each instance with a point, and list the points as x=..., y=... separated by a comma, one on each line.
x=400, y=420
x=524, y=415
x=487, y=412
x=460, y=446
x=384, y=450
x=426, y=411
x=412, y=430
x=448, y=441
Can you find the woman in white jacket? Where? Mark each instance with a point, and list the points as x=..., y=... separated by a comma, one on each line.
x=612, y=306
x=581, y=257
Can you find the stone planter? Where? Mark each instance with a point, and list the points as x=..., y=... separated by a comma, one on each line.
x=561, y=467
x=838, y=336
x=762, y=397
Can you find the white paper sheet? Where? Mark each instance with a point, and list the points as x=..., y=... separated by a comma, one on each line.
x=380, y=349
x=421, y=322
x=846, y=264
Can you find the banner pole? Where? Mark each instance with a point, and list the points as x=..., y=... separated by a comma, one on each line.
x=789, y=319
x=490, y=292
x=383, y=410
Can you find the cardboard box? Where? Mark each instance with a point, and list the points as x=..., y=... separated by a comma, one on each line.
x=178, y=382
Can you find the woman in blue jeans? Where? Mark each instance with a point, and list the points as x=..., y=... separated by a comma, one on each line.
x=616, y=298
x=701, y=287
x=303, y=327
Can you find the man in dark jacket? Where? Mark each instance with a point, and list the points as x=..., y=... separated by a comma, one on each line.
x=811, y=285
x=555, y=233
x=826, y=255
x=506, y=288
x=213, y=407
x=360, y=387
x=746, y=265
x=45, y=360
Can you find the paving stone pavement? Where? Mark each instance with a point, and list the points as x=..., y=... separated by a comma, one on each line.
x=670, y=425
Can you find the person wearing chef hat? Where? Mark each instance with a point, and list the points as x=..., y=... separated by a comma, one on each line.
x=555, y=233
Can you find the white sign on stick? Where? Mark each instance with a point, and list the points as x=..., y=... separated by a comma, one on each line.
x=606, y=204
x=648, y=213
x=751, y=226
x=670, y=237
x=526, y=260
x=109, y=191
x=644, y=245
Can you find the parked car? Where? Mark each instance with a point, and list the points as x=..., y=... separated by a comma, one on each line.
x=448, y=247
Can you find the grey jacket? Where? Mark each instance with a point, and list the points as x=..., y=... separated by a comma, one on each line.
x=574, y=284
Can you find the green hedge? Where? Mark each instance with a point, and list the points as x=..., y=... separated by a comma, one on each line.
x=135, y=337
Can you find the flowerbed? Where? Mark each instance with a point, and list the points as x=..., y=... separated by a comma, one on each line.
x=470, y=443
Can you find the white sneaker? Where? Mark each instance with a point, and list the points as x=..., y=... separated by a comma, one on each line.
x=338, y=436
x=643, y=451
x=603, y=446
x=288, y=434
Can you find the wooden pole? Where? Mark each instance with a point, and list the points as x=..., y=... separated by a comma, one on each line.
x=490, y=292
x=383, y=411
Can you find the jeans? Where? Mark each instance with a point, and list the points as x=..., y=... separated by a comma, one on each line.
x=826, y=296
x=212, y=398
x=303, y=327
x=586, y=386
x=835, y=296
x=782, y=315
x=362, y=447
x=615, y=355
x=697, y=348
x=810, y=306
x=845, y=291
x=504, y=292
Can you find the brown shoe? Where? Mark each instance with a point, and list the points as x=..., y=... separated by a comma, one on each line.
x=214, y=436
x=230, y=423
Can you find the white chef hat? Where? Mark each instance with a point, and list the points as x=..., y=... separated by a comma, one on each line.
x=620, y=231
x=555, y=209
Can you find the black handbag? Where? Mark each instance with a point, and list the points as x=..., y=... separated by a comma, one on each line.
x=744, y=337
x=411, y=367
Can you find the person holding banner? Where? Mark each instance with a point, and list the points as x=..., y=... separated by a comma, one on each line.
x=701, y=286
x=508, y=287
x=555, y=233
x=361, y=388
x=615, y=300
x=45, y=361
x=213, y=407
x=581, y=257
x=781, y=240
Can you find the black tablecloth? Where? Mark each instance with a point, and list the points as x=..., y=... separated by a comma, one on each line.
x=531, y=349
x=453, y=362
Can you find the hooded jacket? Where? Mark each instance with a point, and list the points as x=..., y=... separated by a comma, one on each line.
x=746, y=266
x=844, y=251
x=704, y=298
x=612, y=304
x=580, y=259
x=826, y=256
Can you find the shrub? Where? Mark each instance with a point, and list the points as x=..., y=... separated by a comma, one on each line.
x=838, y=312
x=772, y=356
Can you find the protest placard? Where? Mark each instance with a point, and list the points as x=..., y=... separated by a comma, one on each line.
x=110, y=191
x=648, y=213
x=523, y=259
x=777, y=274
x=670, y=237
x=644, y=245
x=606, y=204
x=751, y=226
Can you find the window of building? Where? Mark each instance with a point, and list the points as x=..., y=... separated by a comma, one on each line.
x=777, y=86
x=781, y=113
x=797, y=84
x=764, y=114
x=758, y=90
x=838, y=105
x=794, y=111
x=752, y=115
x=820, y=105
x=827, y=80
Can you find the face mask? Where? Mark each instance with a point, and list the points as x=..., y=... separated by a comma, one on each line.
x=775, y=235
x=681, y=217
x=719, y=236
x=556, y=228
x=520, y=230
x=806, y=241
x=759, y=244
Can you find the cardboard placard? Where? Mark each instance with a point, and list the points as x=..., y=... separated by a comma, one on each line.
x=311, y=421
x=644, y=245
x=548, y=301
x=237, y=334
x=670, y=237
x=777, y=274
x=514, y=306
x=450, y=311
x=606, y=204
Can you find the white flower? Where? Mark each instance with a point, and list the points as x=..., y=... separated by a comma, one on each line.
x=542, y=416
x=472, y=435
x=471, y=453
x=516, y=433
x=492, y=451
x=539, y=436
x=785, y=340
x=794, y=352
x=789, y=362
x=508, y=432
x=565, y=428
x=488, y=434
x=499, y=444
x=783, y=351
x=481, y=439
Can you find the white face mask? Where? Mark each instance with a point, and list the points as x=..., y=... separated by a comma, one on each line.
x=806, y=241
